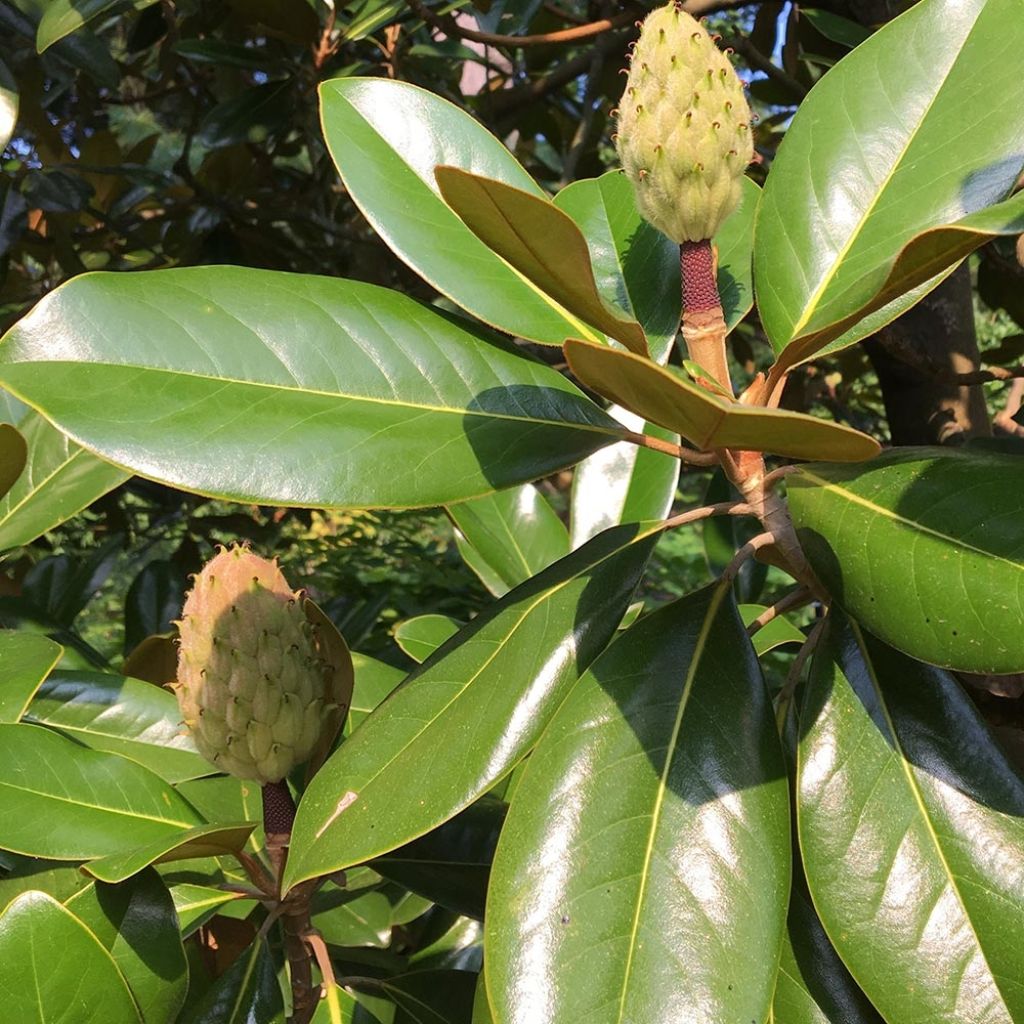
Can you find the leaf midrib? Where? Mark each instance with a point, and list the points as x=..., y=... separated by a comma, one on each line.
x=670, y=751
x=611, y=431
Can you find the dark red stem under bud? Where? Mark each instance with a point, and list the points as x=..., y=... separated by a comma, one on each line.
x=700, y=288
x=278, y=808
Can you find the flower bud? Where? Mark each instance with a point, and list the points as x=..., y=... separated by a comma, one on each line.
x=684, y=135
x=251, y=682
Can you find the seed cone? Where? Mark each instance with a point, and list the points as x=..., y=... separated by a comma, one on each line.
x=251, y=682
x=683, y=128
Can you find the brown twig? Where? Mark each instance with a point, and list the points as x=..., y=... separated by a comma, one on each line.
x=656, y=444
x=797, y=668
x=722, y=508
x=759, y=62
x=772, y=478
x=745, y=553
x=796, y=598
x=986, y=375
x=450, y=27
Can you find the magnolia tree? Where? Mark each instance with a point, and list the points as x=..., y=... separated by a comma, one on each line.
x=610, y=802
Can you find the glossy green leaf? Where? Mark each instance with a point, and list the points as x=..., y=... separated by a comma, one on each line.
x=836, y=28
x=509, y=536
x=623, y=483
x=635, y=266
x=544, y=245
x=8, y=104
x=59, y=479
x=777, y=633
x=856, y=182
x=948, y=525
x=66, y=802
x=911, y=825
x=374, y=680
x=431, y=997
x=481, y=1006
x=223, y=798
x=379, y=130
x=813, y=986
x=13, y=455
x=251, y=116
x=708, y=420
x=339, y=1007
x=246, y=993
x=136, y=924
x=353, y=919
x=487, y=695
x=56, y=970
x=735, y=244
x=419, y=637
x=178, y=360
x=25, y=661
x=451, y=864
x=202, y=841
x=643, y=872
x=63, y=17
x=123, y=716
x=196, y=904
x=153, y=602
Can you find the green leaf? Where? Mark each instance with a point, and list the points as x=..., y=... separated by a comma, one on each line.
x=635, y=266
x=338, y=1007
x=486, y=695
x=544, y=245
x=723, y=536
x=197, y=904
x=813, y=986
x=26, y=659
x=251, y=116
x=836, y=28
x=856, y=210
x=374, y=681
x=59, y=480
x=451, y=864
x=353, y=919
x=246, y=993
x=136, y=924
x=195, y=370
x=643, y=872
x=708, y=420
x=431, y=997
x=193, y=844
x=509, y=536
x=777, y=633
x=63, y=17
x=379, y=130
x=420, y=636
x=223, y=798
x=66, y=802
x=56, y=970
x=8, y=104
x=911, y=825
x=123, y=716
x=735, y=244
x=623, y=483
x=153, y=602
x=948, y=525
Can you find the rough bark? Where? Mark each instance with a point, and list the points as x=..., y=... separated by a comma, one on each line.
x=912, y=356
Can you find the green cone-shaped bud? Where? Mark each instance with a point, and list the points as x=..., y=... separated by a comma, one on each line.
x=251, y=681
x=684, y=134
